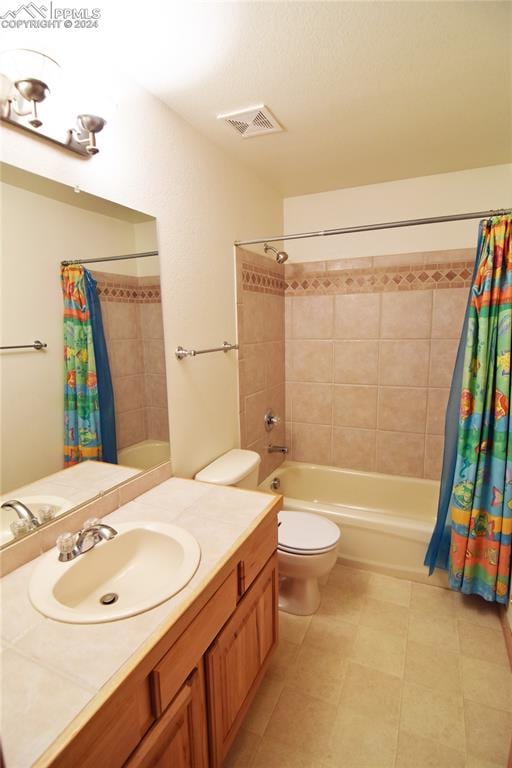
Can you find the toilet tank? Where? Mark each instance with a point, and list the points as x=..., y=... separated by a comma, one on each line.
x=237, y=467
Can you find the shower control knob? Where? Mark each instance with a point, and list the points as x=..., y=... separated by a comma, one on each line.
x=271, y=420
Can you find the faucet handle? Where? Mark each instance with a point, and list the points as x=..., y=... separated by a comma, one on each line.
x=271, y=420
x=46, y=513
x=90, y=523
x=65, y=544
x=20, y=528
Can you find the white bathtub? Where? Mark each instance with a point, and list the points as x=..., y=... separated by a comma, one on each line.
x=144, y=455
x=385, y=520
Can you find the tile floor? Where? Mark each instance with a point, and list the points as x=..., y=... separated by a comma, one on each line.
x=387, y=674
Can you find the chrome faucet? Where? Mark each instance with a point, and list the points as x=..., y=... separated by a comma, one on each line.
x=71, y=545
x=277, y=449
x=23, y=512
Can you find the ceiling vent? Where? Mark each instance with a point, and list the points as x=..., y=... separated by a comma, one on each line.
x=252, y=122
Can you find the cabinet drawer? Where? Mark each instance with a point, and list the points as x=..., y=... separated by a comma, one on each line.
x=256, y=551
x=174, y=667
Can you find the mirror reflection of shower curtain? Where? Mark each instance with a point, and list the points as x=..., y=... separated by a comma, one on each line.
x=105, y=388
x=84, y=426
x=473, y=534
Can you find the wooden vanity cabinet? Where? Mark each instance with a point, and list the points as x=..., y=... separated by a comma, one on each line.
x=238, y=658
x=183, y=704
x=179, y=737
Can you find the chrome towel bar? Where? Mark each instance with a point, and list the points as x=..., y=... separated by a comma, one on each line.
x=181, y=352
x=36, y=345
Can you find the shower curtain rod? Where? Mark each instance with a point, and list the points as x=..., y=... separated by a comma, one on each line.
x=372, y=227
x=110, y=258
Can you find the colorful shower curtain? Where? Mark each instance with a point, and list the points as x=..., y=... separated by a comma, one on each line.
x=89, y=419
x=82, y=429
x=472, y=536
x=104, y=378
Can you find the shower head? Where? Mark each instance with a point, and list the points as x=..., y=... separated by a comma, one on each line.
x=281, y=256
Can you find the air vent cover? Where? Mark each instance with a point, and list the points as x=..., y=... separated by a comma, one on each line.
x=252, y=122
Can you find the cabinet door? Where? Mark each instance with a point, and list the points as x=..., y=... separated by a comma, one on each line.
x=237, y=660
x=178, y=738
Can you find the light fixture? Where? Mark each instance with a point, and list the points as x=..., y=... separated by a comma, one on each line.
x=34, y=91
x=90, y=125
x=30, y=72
x=25, y=80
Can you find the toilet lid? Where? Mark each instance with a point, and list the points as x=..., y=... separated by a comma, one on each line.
x=305, y=532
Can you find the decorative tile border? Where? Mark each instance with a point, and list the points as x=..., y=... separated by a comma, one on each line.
x=139, y=294
x=399, y=272
x=377, y=280
x=258, y=274
x=262, y=280
x=127, y=288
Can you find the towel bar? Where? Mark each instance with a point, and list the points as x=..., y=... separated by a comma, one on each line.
x=181, y=352
x=36, y=345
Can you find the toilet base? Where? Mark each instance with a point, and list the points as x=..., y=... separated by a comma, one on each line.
x=299, y=596
x=299, y=577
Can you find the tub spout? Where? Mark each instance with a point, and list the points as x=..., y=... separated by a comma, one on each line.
x=277, y=449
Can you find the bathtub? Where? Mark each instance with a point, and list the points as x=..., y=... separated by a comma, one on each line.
x=144, y=455
x=385, y=520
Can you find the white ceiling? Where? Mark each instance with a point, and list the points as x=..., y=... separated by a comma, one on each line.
x=367, y=91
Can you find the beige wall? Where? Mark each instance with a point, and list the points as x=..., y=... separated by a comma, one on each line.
x=153, y=161
x=260, y=310
x=37, y=233
x=477, y=189
x=146, y=240
x=369, y=358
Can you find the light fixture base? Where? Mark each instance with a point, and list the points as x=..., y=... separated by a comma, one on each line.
x=24, y=75
x=69, y=141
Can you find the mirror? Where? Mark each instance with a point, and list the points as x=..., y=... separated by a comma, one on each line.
x=57, y=452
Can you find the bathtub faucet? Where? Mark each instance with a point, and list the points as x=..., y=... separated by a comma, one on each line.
x=277, y=449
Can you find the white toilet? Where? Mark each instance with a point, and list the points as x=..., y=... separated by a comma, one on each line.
x=307, y=551
x=307, y=542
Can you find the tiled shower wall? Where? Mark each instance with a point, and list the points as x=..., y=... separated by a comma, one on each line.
x=260, y=312
x=132, y=317
x=370, y=349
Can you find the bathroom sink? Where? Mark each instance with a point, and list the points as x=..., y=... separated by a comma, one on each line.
x=144, y=565
x=36, y=504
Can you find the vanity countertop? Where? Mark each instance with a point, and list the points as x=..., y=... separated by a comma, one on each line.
x=79, y=483
x=51, y=671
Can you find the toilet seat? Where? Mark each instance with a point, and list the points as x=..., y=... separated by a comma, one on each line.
x=304, y=533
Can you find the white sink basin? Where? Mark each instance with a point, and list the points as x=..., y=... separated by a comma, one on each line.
x=145, y=564
x=35, y=504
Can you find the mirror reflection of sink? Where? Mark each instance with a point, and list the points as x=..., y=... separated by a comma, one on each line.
x=36, y=504
x=144, y=565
